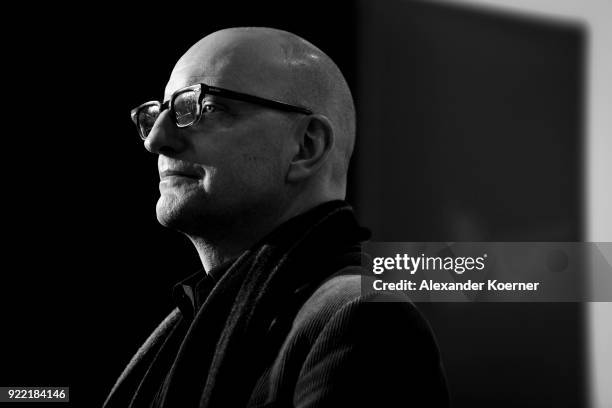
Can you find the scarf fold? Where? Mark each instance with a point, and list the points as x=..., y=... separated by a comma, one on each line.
x=230, y=341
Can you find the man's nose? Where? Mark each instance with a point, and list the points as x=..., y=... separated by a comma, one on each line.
x=164, y=137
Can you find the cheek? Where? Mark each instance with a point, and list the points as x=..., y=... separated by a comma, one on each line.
x=246, y=161
x=256, y=169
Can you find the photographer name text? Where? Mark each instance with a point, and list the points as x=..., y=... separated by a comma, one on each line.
x=430, y=285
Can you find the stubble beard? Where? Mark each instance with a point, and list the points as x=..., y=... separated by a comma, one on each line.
x=194, y=216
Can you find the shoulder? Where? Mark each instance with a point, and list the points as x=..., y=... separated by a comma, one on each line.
x=342, y=296
x=375, y=342
x=339, y=307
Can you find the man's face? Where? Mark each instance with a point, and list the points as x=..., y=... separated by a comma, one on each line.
x=229, y=166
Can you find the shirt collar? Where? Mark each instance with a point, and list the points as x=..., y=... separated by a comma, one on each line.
x=190, y=293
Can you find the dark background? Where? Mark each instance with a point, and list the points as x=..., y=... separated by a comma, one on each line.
x=469, y=129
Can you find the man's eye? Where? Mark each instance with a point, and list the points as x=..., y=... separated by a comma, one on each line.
x=209, y=107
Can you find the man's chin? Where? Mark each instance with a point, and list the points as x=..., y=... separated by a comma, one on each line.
x=186, y=216
x=171, y=212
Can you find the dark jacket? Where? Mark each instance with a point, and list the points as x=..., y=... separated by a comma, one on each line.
x=288, y=325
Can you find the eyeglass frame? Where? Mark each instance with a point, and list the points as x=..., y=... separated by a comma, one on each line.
x=203, y=89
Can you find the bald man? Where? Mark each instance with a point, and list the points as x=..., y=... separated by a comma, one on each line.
x=253, y=139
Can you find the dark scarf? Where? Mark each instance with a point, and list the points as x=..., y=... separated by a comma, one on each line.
x=244, y=319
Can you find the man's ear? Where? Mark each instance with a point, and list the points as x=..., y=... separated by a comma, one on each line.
x=315, y=142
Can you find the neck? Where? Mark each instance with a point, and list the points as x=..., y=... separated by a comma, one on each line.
x=231, y=241
x=213, y=254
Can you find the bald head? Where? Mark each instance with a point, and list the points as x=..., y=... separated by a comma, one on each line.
x=278, y=65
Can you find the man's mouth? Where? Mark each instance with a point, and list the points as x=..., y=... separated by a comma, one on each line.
x=176, y=173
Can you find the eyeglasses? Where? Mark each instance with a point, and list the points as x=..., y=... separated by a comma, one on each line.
x=186, y=106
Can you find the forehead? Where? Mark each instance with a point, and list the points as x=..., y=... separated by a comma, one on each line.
x=237, y=66
x=178, y=82
x=197, y=69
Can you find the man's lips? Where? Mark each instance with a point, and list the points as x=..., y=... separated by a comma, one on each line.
x=177, y=173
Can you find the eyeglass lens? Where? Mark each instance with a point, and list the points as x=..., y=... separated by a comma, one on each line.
x=147, y=115
x=185, y=108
